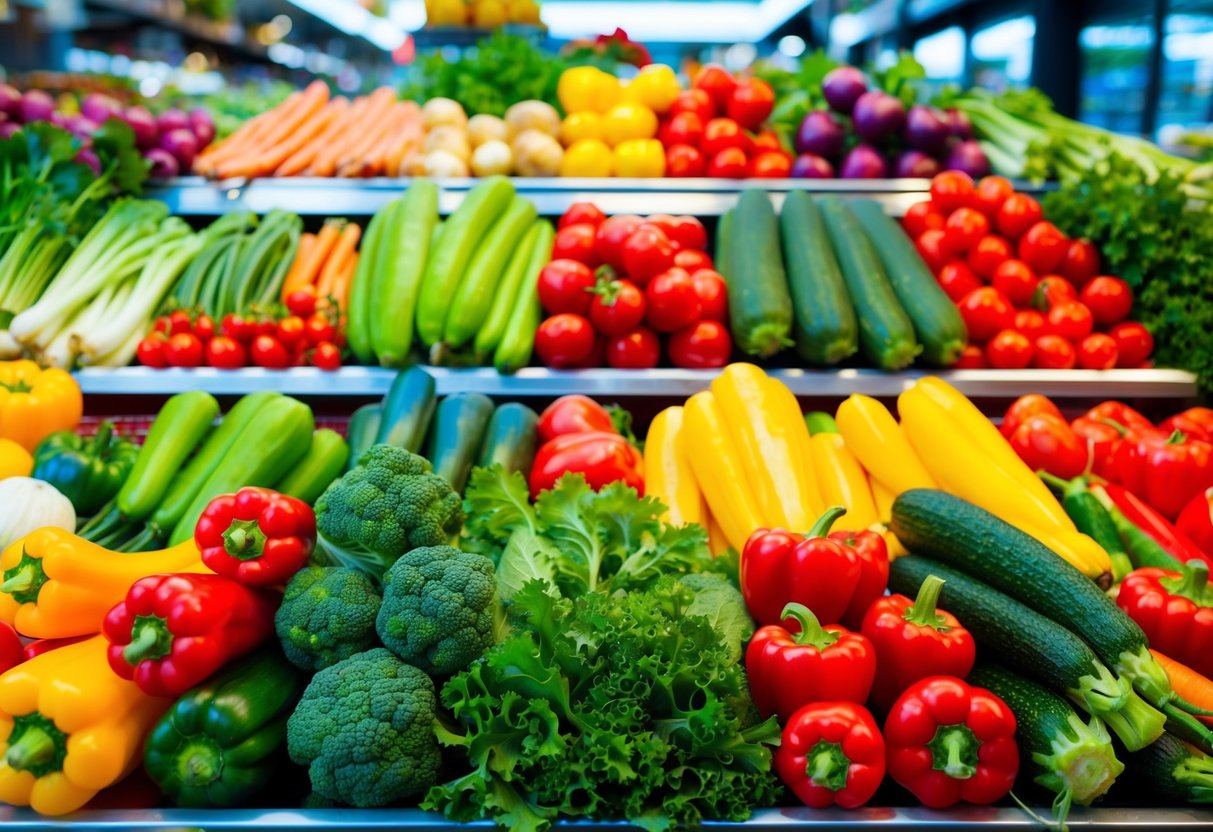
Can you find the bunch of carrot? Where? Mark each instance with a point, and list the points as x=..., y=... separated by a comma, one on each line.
x=325, y=262
x=311, y=134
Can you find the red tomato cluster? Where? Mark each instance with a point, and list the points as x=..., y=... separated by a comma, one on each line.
x=301, y=335
x=1030, y=296
x=614, y=283
x=714, y=129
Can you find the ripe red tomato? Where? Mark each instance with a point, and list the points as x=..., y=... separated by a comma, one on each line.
x=179, y=322
x=766, y=140
x=1053, y=289
x=161, y=325
x=609, y=241
x=693, y=260
x=671, y=301
x=971, y=358
x=596, y=358
x=724, y=134
x=564, y=286
x=771, y=164
x=682, y=161
x=301, y=302
x=729, y=164
x=265, y=325
x=1009, y=350
x=204, y=327
x=270, y=353
x=577, y=242
x=952, y=189
x=751, y=102
x=687, y=233
x=1052, y=352
x=1070, y=320
x=921, y=217
x=1081, y=262
x=1043, y=247
x=636, y=350
x=930, y=245
x=326, y=356
x=581, y=213
x=1018, y=213
x=964, y=228
x=695, y=101
x=1015, y=280
x=1134, y=343
x=1109, y=298
x=957, y=280
x=705, y=345
x=318, y=328
x=718, y=83
x=990, y=194
x=713, y=293
x=617, y=307
x=681, y=128
x=150, y=351
x=1097, y=352
x=990, y=252
x=1031, y=323
x=290, y=331
x=647, y=252
x=225, y=353
x=564, y=340
x=183, y=350
x=986, y=312
x=238, y=328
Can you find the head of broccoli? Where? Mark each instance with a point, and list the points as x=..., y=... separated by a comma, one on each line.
x=365, y=730
x=327, y=614
x=390, y=503
x=439, y=608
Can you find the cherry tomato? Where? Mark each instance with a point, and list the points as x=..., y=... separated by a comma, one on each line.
x=1081, y=262
x=183, y=350
x=952, y=189
x=671, y=301
x=723, y=134
x=270, y=353
x=971, y=358
x=265, y=326
x=1109, y=298
x=921, y=217
x=1009, y=350
x=687, y=233
x=986, y=312
x=1070, y=320
x=1031, y=323
x=705, y=345
x=618, y=307
x=1052, y=352
x=957, y=280
x=301, y=302
x=1134, y=343
x=318, y=329
x=238, y=328
x=1043, y=247
x=609, y=241
x=718, y=83
x=635, y=350
x=693, y=260
x=681, y=128
x=713, y=293
x=225, y=353
x=564, y=340
x=751, y=102
x=695, y=101
x=1018, y=213
x=771, y=164
x=729, y=164
x=930, y=245
x=766, y=140
x=150, y=351
x=1033, y=404
x=326, y=356
x=179, y=322
x=1053, y=289
x=161, y=325
x=1015, y=280
x=581, y=213
x=1097, y=352
x=291, y=331
x=204, y=327
x=682, y=161
x=577, y=242
x=597, y=356
x=647, y=252
x=990, y=252
x=964, y=228
x=990, y=194
x=564, y=286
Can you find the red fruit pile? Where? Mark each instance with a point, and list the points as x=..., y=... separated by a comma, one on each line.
x=1030, y=296
x=614, y=283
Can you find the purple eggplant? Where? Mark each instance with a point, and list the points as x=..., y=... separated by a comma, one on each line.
x=171, y=120
x=959, y=124
x=820, y=133
x=203, y=126
x=915, y=164
x=144, y=125
x=925, y=130
x=864, y=162
x=812, y=166
x=968, y=156
x=164, y=164
x=182, y=144
x=877, y=115
x=842, y=87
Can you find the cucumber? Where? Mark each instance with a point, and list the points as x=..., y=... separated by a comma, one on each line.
x=179, y=428
x=1174, y=772
x=489, y=335
x=826, y=329
x=760, y=308
x=459, y=429
x=886, y=333
x=397, y=284
x=937, y=322
x=724, y=229
x=1092, y=519
x=511, y=439
x=325, y=462
x=1035, y=646
x=1066, y=755
x=361, y=432
x=364, y=288
x=518, y=340
x=407, y=409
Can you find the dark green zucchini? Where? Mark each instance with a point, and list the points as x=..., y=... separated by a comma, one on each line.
x=760, y=308
x=362, y=430
x=1174, y=772
x=459, y=428
x=510, y=439
x=407, y=409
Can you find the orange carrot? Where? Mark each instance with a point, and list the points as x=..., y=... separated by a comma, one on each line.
x=298, y=161
x=342, y=253
x=249, y=135
x=284, y=124
x=293, y=279
x=376, y=162
x=341, y=286
x=377, y=122
x=326, y=241
x=326, y=151
x=377, y=106
x=1188, y=684
x=264, y=163
x=411, y=136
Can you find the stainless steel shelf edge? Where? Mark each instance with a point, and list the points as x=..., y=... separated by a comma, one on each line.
x=537, y=381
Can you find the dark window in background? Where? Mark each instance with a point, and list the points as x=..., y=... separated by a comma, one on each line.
x=1186, y=94
x=1001, y=54
x=942, y=55
x=1115, y=51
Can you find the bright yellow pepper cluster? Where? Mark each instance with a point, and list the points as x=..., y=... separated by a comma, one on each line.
x=483, y=14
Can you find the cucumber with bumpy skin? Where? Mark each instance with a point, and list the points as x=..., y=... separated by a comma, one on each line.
x=760, y=308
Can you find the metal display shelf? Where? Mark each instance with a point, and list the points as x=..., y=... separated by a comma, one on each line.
x=541, y=382
x=196, y=196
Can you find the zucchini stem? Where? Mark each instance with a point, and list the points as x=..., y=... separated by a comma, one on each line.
x=1082, y=763
x=1114, y=701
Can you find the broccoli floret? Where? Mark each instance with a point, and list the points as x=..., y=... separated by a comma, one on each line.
x=365, y=730
x=439, y=607
x=390, y=503
x=327, y=614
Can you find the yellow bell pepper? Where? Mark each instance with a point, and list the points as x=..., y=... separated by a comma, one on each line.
x=656, y=87
x=716, y=461
x=447, y=13
x=667, y=471
x=718, y=544
x=640, y=159
x=587, y=158
x=15, y=461
x=873, y=435
x=70, y=727
x=57, y=585
x=582, y=88
x=34, y=403
x=843, y=482
x=577, y=126
x=489, y=14
x=884, y=508
x=628, y=121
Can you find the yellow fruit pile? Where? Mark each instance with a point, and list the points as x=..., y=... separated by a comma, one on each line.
x=482, y=14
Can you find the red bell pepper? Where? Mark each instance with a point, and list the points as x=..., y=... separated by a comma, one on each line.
x=873, y=555
x=1121, y=414
x=1024, y=407
x=1195, y=422
x=573, y=414
x=949, y=742
x=832, y=754
x=914, y=640
x=1165, y=471
x=1173, y=542
x=602, y=457
x=45, y=645
x=1101, y=439
x=173, y=631
x=1048, y=443
x=780, y=567
x=12, y=653
x=1175, y=610
x=1196, y=521
x=257, y=536
x=819, y=664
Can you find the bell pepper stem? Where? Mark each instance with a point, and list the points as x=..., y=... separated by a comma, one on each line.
x=1054, y=482
x=150, y=639
x=21, y=581
x=101, y=441
x=33, y=748
x=923, y=612
x=201, y=764
x=1192, y=583
x=1121, y=429
x=822, y=527
x=1177, y=437
x=811, y=631
x=244, y=540
x=954, y=751
x=826, y=765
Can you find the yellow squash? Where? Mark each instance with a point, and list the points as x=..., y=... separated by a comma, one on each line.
x=843, y=482
x=667, y=472
x=716, y=462
x=884, y=508
x=34, y=403
x=786, y=400
x=873, y=435
x=718, y=544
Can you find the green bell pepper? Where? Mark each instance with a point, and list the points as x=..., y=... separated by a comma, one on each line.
x=220, y=743
x=89, y=472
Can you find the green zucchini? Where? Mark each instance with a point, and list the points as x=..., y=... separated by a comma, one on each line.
x=937, y=322
x=1034, y=645
x=724, y=235
x=760, y=308
x=1141, y=549
x=489, y=335
x=511, y=439
x=397, y=282
x=179, y=428
x=886, y=333
x=1072, y=758
x=325, y=462
x=362, y=430
x=1174, y=772
x=459, y=429
x=1092, y=519
x=826, y=329
x=364, y=289
x=518, y=340
x=407, y=409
